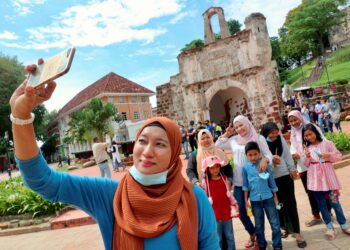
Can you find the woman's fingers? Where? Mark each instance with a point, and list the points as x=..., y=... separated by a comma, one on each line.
x=30, y=68
x=40, y=61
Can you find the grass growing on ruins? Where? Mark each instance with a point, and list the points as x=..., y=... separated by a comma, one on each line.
x=335, y=72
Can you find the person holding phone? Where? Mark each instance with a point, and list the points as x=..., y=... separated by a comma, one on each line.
x=151, y=207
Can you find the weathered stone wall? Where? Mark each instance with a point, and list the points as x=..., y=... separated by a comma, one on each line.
x=239, y=66
x=340, y=36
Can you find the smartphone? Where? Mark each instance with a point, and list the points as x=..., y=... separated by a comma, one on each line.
x=52, y=68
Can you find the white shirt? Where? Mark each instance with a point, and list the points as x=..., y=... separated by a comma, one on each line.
x=116, y=155
x=239, y=156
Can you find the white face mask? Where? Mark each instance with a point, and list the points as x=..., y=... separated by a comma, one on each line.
x=149, y=179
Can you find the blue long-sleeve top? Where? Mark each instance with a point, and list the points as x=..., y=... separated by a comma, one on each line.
x=95, y=196
x=259, y=188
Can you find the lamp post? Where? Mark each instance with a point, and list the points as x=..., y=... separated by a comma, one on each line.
x=7, y=162
x=325, y=66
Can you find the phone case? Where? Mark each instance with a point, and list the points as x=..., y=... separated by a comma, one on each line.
x=52, y=68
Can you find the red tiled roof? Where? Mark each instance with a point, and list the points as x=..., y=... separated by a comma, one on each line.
x=110, y=83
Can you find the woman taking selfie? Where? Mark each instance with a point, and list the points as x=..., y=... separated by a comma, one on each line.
x=151, y=207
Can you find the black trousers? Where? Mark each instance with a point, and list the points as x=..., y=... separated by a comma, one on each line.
x=288, y=214
x=193, y=143
x=313, y=203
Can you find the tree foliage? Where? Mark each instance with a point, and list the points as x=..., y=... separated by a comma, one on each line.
x=233, y=25
x=307, y=27
x=92, y=121
x=11, y=75
x=283, y=64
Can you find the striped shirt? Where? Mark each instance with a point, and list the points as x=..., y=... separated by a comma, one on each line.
x=321, y=176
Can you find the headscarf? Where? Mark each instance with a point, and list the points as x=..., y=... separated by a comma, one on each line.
x=204, y=152
x=276, y=147
x=333, y=104
x=143, y=212
x=251, y=135
x=296, y=133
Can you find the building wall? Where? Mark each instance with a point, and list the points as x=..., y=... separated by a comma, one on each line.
x=242, y=61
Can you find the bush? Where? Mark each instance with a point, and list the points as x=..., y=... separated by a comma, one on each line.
x=341, y=140
x=16, y=199
x=341, y=82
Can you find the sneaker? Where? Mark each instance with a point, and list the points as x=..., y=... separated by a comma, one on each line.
x=313, y=222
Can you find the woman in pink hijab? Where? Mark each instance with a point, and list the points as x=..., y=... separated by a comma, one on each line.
x=245, y=133
x=297, y=121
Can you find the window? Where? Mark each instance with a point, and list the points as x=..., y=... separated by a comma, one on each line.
x=136, y=115
x=143, y=98
x=134, y=99
x=121, y=99
x=124, y=116
x=111, y=99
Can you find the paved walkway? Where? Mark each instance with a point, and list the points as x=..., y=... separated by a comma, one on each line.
x=89, y=238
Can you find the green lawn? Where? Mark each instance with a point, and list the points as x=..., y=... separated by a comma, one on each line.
x=338, y=67
x=335, y=72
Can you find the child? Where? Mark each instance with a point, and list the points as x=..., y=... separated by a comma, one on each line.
x=321, y=177
x=116, y=161
x=224, y=205
x=262, y=191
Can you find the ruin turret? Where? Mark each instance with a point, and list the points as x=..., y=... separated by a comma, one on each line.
x=209, y=35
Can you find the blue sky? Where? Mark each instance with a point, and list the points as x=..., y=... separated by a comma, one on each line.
x=137, y=39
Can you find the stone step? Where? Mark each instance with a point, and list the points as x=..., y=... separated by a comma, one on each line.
x=25, y=230
x=72, y=218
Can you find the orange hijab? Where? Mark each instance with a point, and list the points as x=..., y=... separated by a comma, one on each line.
x=146, y=212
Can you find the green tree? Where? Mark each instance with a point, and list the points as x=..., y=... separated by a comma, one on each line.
x=92, y=121
x=11, y=75
x=234, y=26
x=308, y=26
x=283, y=64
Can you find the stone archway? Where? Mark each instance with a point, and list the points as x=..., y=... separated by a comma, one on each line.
x=227, y=104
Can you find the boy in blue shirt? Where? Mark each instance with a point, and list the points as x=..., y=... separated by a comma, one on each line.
x=261, y=189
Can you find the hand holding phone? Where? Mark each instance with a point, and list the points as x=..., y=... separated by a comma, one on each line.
x=52, y=68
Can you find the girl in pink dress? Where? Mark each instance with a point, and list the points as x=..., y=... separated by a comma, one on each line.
x=320, y=153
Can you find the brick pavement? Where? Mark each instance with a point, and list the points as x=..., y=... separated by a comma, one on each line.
x=88, y=237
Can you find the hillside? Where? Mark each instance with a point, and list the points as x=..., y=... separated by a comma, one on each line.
x=338, y=68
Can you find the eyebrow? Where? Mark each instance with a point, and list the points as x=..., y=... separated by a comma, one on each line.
x=157, y=139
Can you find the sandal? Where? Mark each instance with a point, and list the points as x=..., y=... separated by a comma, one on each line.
x=301, y=243
x=251, y=242
x=284, y=234
x=330, y=234
x=313, y=222
x=347, y=231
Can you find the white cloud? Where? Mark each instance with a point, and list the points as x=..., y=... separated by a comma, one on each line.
x=102, y=23
x=23, y=7
x=274, y=11
x=8, y=35
x=182, y=15
x=157, y=50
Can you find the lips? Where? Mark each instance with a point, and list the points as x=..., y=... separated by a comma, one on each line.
x=146, y=163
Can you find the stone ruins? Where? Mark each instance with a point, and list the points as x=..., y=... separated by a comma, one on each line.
x=224, y=78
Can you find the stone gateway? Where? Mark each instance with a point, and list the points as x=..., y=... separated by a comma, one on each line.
x=224, y=78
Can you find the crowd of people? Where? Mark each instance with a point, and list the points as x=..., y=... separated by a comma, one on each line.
x=155, y=207
x=325, y=113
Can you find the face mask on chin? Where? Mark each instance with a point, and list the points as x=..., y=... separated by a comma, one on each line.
x=149, y=179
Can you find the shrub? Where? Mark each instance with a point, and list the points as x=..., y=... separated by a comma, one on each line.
x=341, y=82
x=16, y=199
x=341, y=140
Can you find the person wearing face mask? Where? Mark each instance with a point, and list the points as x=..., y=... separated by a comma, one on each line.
x=284, y=174
x=245, y=133
x=151, y=207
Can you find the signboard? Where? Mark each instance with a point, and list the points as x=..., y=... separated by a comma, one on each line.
x=319, y=91
x=332, y=88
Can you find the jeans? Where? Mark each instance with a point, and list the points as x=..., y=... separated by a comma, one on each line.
x=320, y=122
x=337, y=126
x=115, y=164
x=269, y=207
x=321, y=198
x=104, y=169
x=185, y=147
x=224, y=227
x=246, y=221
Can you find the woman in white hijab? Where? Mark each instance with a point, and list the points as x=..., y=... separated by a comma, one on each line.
x=245, y=133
